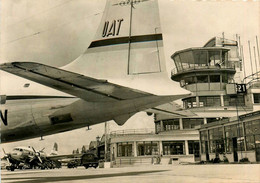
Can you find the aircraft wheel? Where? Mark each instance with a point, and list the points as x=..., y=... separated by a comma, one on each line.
x=95, y=166
x=12, y=168
x=86, y=166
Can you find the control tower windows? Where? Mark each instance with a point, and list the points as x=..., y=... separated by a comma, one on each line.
x=187, y=60
x=213, y=101
x=256, y=98
x=200, y=57
x=178, y=63
x=225, y=78
x=172, y=124
x=209, y=101
x=230, y=101
x=214, y=78
x=189, y=123
x=190, y=102
x=190, y=80
x=210, y=120
x=202, y=79
x=214, y=58
x=204, y=101
x=158, y=127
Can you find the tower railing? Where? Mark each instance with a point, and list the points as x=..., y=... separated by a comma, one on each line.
x=229, y=65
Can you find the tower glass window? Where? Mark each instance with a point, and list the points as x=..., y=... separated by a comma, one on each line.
x=189, y=102
x=214, y=78
x=189, y=123
x=202, y=79
x=224, y=78
x=190, y=80
x=208, y=101
x=214, y=58
x=171, y=124
x=200, y=57
x=256, y=98
x=233, y=101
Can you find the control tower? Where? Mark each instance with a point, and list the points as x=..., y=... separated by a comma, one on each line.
x=209, y=72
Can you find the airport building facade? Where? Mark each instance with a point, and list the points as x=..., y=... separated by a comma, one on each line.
x=144, y=146
x=214, y=74
x=233, y=139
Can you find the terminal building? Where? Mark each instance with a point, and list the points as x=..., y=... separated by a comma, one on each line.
x=233, y=139
x=210, y=73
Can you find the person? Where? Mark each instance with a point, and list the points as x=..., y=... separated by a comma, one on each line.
x=159, y=158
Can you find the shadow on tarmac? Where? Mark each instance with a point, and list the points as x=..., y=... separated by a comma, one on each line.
x=71, y=178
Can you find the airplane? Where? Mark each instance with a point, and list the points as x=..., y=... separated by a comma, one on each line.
x=121, y=73
x=27, y=157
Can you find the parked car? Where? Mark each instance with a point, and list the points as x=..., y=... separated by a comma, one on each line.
x=89, y=160
x=73, y=164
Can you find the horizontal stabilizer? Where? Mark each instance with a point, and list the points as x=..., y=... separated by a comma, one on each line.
x=171, y=109
x=87, y=88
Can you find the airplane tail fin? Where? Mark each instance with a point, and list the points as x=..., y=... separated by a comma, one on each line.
x=54, y=150
x=128, y=49
x=128, y=42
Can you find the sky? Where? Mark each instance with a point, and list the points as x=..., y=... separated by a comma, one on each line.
x=58, y=31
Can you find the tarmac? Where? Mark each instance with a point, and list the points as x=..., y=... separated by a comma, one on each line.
x=209, y=173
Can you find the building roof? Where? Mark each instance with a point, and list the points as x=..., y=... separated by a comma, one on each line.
x=218, y=41
x=232, y=120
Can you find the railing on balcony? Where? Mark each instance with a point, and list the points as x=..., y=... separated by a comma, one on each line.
x=185, y=68
x=132, y=131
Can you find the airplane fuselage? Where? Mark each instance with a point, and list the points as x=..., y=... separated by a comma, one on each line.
x=36, y=116
x=21, y=154
x=28, y=118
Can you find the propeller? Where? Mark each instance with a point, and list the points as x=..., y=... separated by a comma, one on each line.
x=37, y=154
x=4, y=150
x=42, y=149
x=6, y=156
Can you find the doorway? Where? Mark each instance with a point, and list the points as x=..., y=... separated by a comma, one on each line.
x=234, y=140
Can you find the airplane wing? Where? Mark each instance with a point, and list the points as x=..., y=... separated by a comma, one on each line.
x=64, y=156
x=172, y=109
x=87, y=88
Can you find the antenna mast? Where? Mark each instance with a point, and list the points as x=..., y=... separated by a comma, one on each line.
x=257, y=50
x=250, y=57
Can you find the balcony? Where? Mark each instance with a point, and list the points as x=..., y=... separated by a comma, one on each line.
x=143, y=131
x=185, y=69
x=204, y=59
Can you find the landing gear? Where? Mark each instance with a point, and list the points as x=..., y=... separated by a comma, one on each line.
x=95, y=166
x=11, y=168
